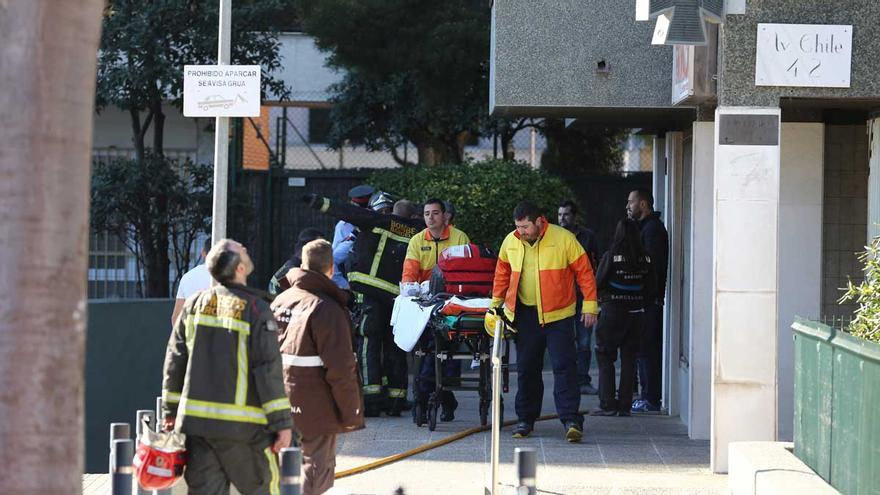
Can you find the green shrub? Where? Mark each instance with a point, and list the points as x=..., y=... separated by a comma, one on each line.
x=484, y=193
x=866, y=323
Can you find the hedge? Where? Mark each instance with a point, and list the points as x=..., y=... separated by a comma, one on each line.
x=484, y=193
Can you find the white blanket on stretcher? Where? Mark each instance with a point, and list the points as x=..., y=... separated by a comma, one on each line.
x=409, y=318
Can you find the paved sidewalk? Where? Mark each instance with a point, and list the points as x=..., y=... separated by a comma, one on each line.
x=643, y=455
x=636, y=455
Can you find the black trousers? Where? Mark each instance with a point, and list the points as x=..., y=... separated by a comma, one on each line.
x=618, y=332
x=650, y=356
x=213, y=463
x=532, y=340
x=383, y=364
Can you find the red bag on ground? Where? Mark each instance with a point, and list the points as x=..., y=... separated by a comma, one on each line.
x=160, y=459
x=465, y=270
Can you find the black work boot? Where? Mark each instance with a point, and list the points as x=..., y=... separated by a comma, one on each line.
x=394, y=407
x=448, y=407
x=574, y=432
x=522, y=429
x=420, y=412
x=372, y=409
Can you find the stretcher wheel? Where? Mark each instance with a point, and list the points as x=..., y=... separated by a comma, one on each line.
x=432, y=417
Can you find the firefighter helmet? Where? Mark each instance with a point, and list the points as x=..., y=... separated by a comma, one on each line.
x=160, y=459
x=380, y=201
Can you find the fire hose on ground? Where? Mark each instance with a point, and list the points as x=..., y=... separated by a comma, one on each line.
x=526, y=472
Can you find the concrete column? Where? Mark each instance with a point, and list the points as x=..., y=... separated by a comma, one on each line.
x=800, y=248
x=873, y=179
x=702, y=212
x=745, y=288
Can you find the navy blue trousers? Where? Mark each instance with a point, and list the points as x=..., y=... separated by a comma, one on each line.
x=531, y=341
x=426, y=385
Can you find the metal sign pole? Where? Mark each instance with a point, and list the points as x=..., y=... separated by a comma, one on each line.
x=221, y=132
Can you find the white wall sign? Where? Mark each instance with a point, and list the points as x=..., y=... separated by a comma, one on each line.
x=221, y=91
x=811, y=55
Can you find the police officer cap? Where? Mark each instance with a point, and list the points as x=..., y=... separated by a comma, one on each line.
x=363, y=190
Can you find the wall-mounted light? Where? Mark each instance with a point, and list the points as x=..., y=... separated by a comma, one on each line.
x=680, y=22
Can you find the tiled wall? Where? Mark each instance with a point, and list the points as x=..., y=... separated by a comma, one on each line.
x=845, y=212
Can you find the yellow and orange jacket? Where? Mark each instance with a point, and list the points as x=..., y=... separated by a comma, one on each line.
x=424, y=251
x=561, y=262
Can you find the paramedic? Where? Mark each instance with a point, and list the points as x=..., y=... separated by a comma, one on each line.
x=538, y=265
x=422, y=254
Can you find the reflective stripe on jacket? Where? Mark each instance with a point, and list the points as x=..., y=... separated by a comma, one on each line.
x=222, y=373
x=561, y=262
x=379, y=249
x=424, y=251
x=320, y=371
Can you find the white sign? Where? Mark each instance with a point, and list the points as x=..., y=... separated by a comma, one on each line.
x=811, y=55
x=221, y=91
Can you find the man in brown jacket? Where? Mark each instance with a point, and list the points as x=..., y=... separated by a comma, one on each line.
x=320, y=374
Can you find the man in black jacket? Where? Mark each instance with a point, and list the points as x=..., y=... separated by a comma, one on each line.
x=640, y=207
x=374, y=272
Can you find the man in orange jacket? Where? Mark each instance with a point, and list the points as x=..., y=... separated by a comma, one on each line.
x=422, y=255
x=538, y=265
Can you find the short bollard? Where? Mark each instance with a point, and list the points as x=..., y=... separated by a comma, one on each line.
x=144, y=421
x=118, y=431
x=122, y=470
x=526, y=461
x=144, y=414
x=291, y=471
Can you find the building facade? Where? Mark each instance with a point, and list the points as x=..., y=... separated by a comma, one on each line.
x=762, y=147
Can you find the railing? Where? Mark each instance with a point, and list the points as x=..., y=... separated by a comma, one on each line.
x=836, y=393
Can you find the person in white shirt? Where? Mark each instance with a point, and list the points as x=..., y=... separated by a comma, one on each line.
x=192, y=281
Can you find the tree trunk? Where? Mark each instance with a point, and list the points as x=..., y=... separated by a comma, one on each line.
x=47, y=55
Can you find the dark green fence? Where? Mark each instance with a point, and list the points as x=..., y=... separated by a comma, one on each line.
x=125, y=350
x=837, y=397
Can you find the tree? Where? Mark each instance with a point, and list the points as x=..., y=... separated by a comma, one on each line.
x=123, y=204
x=144, y=46
x=416, y=71
x=47, y=55
x=574, y=151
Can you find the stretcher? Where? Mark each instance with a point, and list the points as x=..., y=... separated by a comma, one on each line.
x=455, y=332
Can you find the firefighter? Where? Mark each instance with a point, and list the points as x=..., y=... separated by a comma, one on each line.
x=374, y=272
x=422, y=255
x=222, y=382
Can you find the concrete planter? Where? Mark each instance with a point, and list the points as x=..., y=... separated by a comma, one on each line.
x=836, y=402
